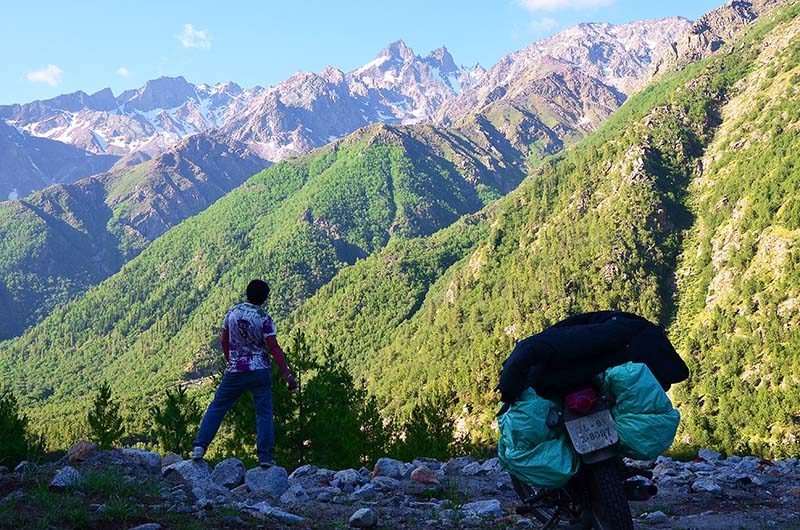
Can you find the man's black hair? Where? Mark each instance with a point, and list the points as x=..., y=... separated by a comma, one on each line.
x=257, y=292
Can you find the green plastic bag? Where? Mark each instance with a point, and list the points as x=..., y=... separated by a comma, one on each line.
x=646, y=420
x=529, y=449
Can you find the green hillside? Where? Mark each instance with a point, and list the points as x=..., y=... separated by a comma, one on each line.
x=635, y=218
x=683, y=207
x=59, y=242
x=296, y=224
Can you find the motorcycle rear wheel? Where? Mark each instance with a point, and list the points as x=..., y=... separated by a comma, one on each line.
x=610, y=509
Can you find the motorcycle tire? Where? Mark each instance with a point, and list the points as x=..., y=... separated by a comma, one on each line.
x=610, y=509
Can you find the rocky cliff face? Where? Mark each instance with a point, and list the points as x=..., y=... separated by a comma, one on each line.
x=709, y=33
x=29, y=163
x=616, y=57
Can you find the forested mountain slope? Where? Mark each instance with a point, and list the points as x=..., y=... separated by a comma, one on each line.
x=296, y=224
x=682, y=208
x=57, y=243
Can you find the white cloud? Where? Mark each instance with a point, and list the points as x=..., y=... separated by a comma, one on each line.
x=556, y=5
x=50, y=75
x=194, y=38
x=124, y=72
x=543, y=25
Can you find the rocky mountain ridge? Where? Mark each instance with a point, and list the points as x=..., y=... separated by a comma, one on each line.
x=309, y=110
x=710, y=492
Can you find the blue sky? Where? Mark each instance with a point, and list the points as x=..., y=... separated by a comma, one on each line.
x=55, y=47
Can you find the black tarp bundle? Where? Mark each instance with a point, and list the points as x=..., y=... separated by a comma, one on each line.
x=567, y=355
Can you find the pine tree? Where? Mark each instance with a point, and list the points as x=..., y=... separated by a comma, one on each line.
x=104, y=420
x=14, y=444
x=177, y=421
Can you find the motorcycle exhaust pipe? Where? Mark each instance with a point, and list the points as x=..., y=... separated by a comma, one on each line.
x=640, y=491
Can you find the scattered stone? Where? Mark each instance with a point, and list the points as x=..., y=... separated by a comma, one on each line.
x=656, y=518
x=81, y=451
x=66, y=477
x=486, y=508
x=347, y=480
x=386, y=483
x=145, y=459
x=471, y=469
x=147, y=526
x=188, y=471
x=294, y=495
x=388, y=467
x=303, y=471
x=424, y=475
x=273, y=481
x=264, y=511
x=363, y=518
x=170, y=458
x=229, y=473
x=365, y=492
x=23, y=466
x=455, y=465
x=706, y=486
x=3, y=470
x=708, y=455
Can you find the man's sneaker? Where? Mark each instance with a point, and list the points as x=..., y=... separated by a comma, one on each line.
x=266, y=465
x=198, y=453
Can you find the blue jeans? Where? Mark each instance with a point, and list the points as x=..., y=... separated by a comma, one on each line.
x=232, y=386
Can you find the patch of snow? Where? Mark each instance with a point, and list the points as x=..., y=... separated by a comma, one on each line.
x=374, y=63
x=585, y=121
x=13, y=195
x=389, y=77
x=455, y=83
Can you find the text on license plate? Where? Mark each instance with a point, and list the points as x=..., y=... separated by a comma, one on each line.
x=593, y=432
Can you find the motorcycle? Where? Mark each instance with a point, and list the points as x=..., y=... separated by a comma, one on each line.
x=597, y=495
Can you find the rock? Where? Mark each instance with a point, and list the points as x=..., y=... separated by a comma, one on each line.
x=147, y=526
x=139, y=457
x=471, y=469
x=66, y=477
x=188, y=471
x=706, y=486
x=207, y=492
x=656, y=518
x=430, y=463
x=455, y=465
x=493, y=464
x=3, y=470
x=365, y=492
x=303, y=471
x=346, y=480
x=386, y=483
x=294, y=495
x=81, y=451
x=229, y=473
x=486, y=508
x=424, y=475
x=273, y=481
x=23, y=467
x=170, y=458
x=241, y=490
x=708, y=455
x=363, y=518
x=264, y=510
x=388, y=467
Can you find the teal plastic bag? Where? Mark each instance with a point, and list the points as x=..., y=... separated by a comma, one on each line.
x=529, y=449
x=646, y=420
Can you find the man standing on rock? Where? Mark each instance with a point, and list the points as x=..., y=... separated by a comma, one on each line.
x=248, y=337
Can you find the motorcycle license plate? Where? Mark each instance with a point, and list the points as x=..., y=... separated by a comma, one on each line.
x=593, y=432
